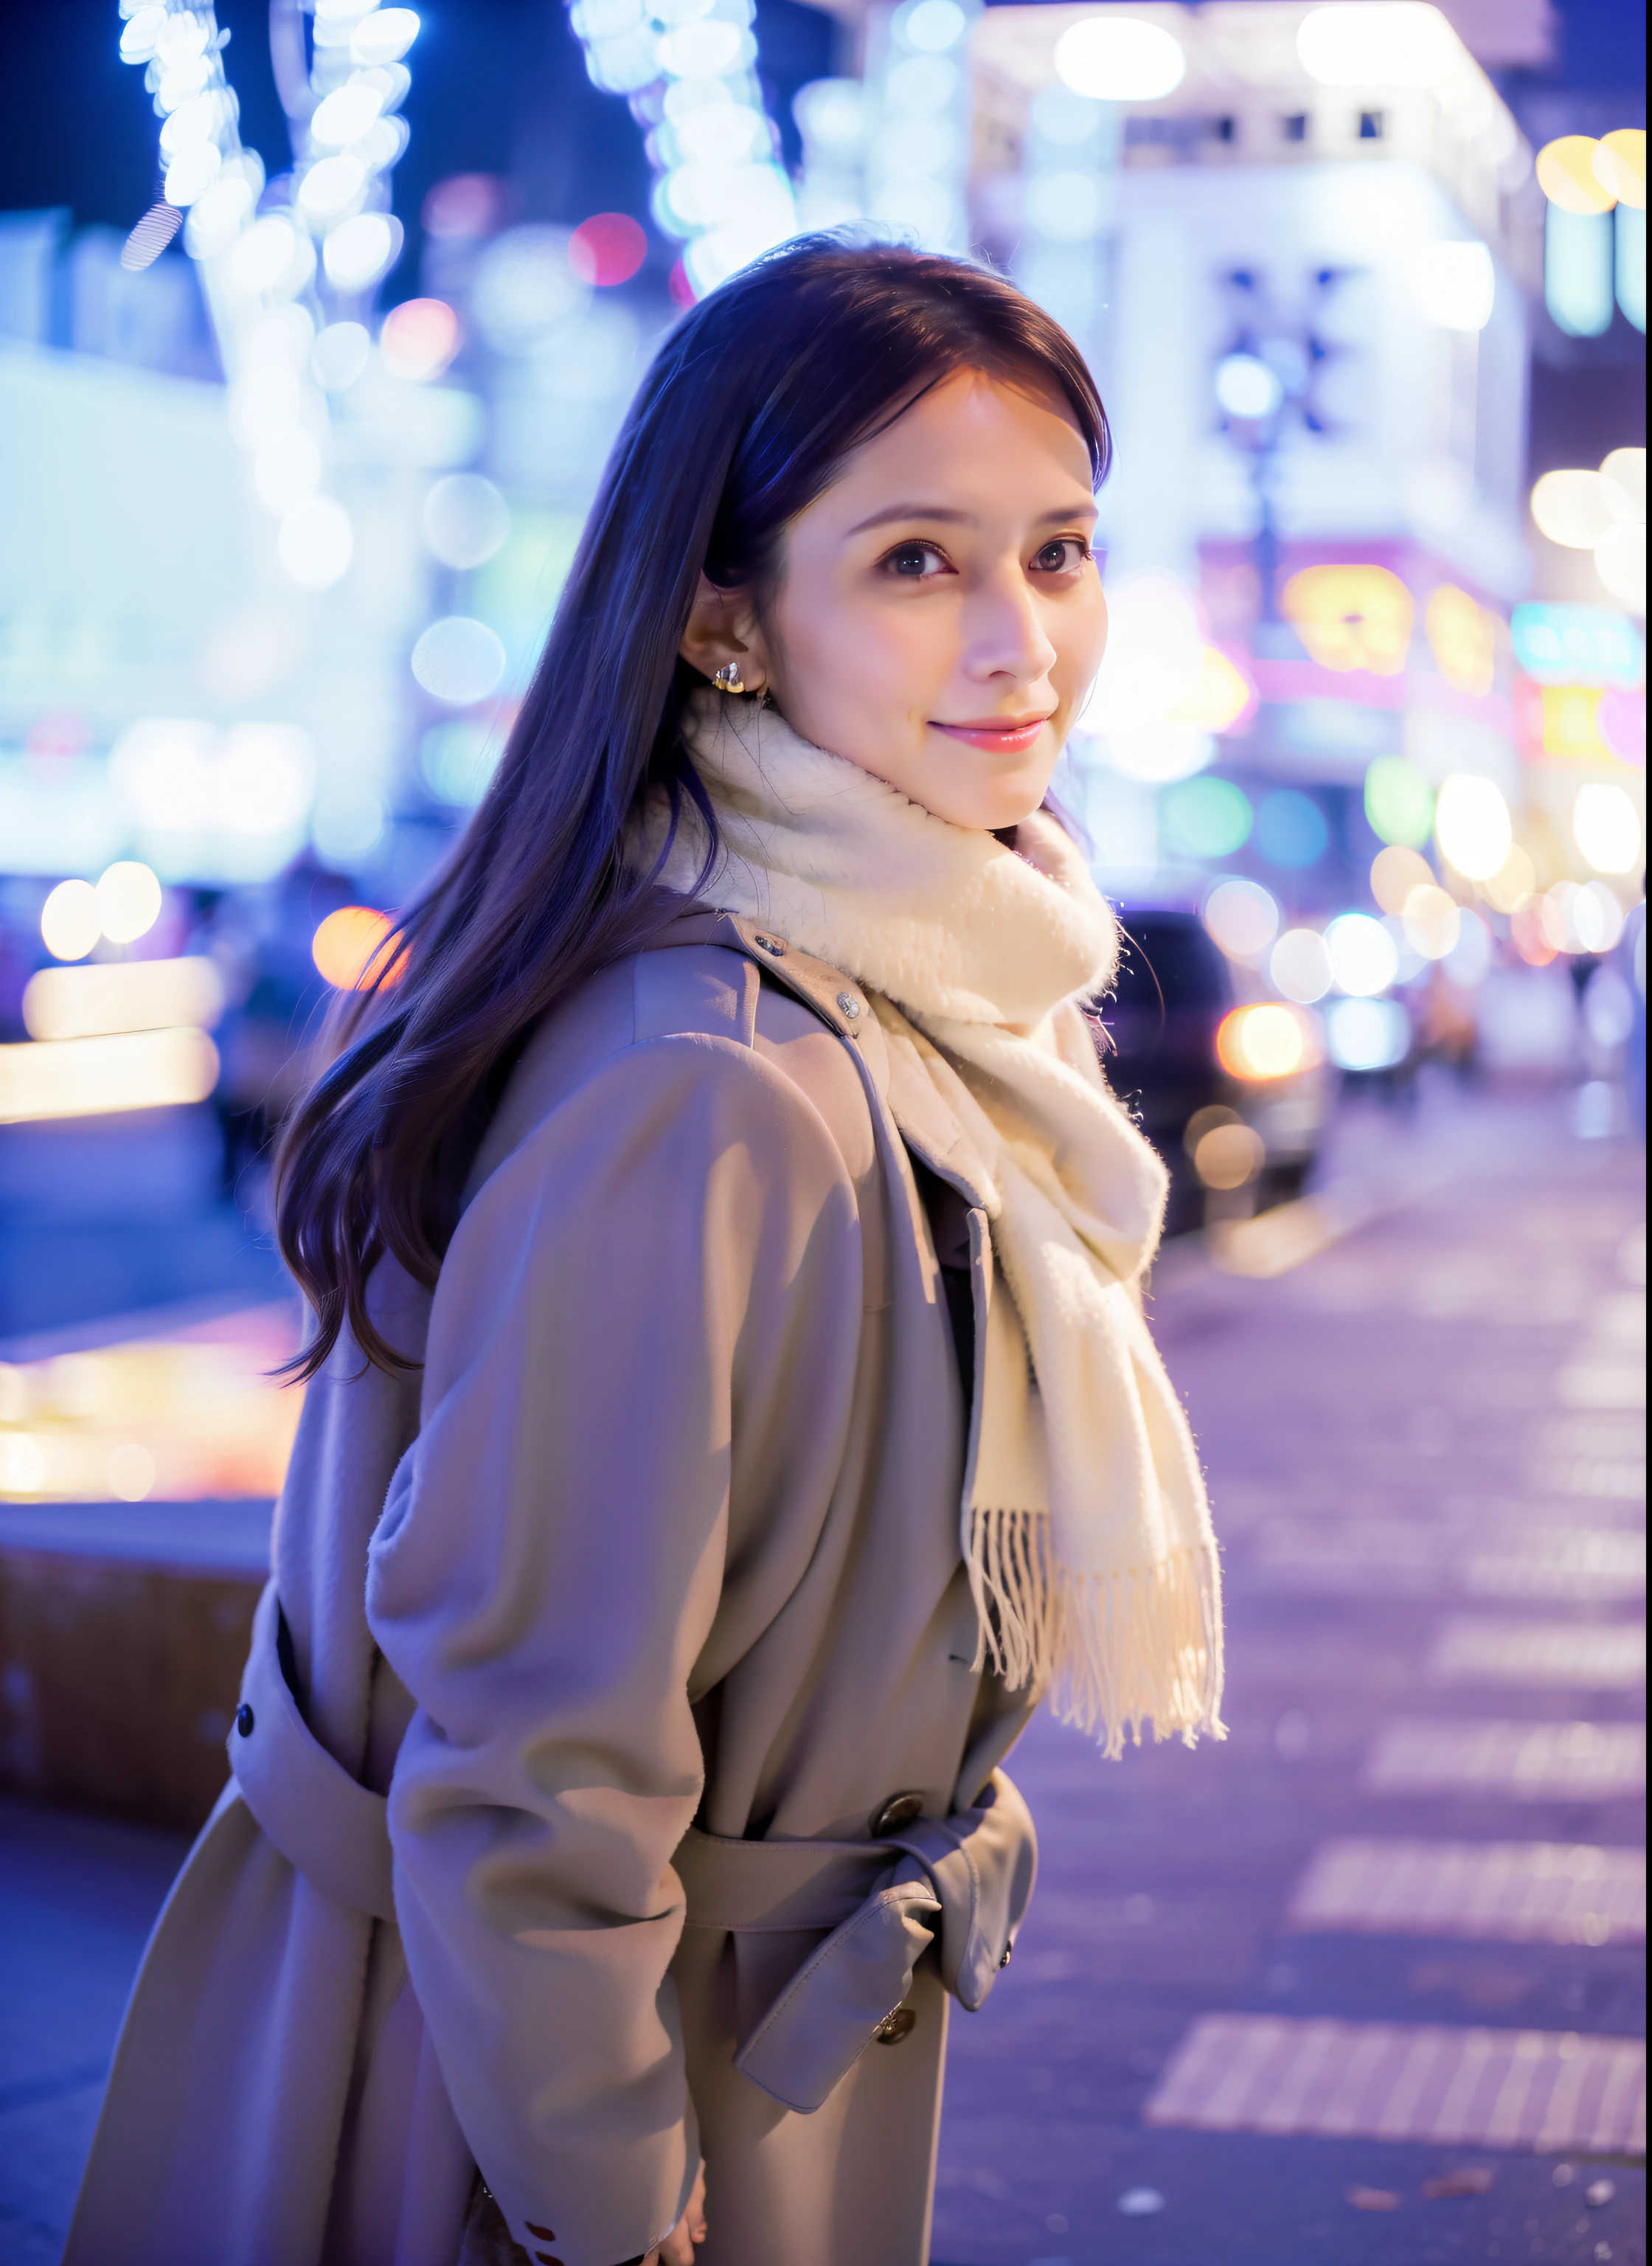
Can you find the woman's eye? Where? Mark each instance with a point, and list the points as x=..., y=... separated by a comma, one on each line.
x=916, y=562
x=1062, y=555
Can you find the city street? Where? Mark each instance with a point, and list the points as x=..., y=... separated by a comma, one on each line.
x=1350, y=1989
x=1424, y=1456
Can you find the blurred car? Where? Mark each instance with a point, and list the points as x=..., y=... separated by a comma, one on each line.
x=1233, y=1093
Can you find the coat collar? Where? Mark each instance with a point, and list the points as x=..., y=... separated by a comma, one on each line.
x=928, y=1128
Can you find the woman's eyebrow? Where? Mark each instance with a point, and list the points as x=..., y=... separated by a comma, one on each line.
x=948, y=516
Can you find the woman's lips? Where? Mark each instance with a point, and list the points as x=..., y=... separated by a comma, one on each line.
x=999, y=736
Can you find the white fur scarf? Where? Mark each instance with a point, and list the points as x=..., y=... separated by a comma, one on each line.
x=1086, y=1528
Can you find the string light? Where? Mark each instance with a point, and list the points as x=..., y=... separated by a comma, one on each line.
x=689, y=72
x=265, y=282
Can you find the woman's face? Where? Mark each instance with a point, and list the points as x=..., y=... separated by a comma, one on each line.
x=939, y=616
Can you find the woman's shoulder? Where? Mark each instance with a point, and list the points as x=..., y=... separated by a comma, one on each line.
x=685, y=1015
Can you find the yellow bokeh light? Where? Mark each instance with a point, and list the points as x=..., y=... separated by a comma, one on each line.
x=1571, y=723
x=1619, y=165
x=1351, y=617
x=1567, y=175
x=1394, y=873
x=1513, y=883
x=1433, y=921
x=1219, y=698
x=1463, y=639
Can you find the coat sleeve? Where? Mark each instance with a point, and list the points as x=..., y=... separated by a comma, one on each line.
x=670, y=1259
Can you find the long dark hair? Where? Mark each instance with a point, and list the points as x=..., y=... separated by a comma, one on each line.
x=750, y=408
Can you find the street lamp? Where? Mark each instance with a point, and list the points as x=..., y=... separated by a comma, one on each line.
x=1264, y=381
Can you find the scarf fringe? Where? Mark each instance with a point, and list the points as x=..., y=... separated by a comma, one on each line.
x=1113, y=1651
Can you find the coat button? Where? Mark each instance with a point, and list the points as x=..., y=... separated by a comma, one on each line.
x=850, y=1004
x=900, y=1810
x=244, y=1720
x=895, y=2027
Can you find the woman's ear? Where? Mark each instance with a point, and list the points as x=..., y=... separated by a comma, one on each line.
x=723, y=627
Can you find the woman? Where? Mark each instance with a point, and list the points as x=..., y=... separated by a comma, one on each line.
x=730, y=1405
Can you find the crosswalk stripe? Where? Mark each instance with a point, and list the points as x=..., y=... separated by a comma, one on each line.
x=1506, y=1891
x=1579, y=1565
x=1526, y=2089
x=1606, y=1655
x=1523, y=1762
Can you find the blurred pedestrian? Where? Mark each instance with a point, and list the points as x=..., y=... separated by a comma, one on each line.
x=731, y=1407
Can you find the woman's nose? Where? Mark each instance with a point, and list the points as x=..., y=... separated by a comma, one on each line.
x=1005, y=633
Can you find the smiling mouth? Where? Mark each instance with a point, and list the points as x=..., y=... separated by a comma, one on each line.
x=999, y=736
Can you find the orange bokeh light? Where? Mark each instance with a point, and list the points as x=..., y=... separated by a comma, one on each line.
x=349, y=949
x=1266, y=1040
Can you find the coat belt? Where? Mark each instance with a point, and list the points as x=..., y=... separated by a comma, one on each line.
x=965, y=1879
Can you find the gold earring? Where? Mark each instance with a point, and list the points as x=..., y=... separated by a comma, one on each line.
x=729, y=678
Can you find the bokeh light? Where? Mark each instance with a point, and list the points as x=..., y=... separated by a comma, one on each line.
x=1399, y=802
x=92, y=1077
x=1205, y=817
x=609, y=248
x=358, y=252
x=1620, y=563
x=1300, y=966
x=1619, y=165
x=347, y=825
x=1572, y=508
x=464, y=520
x=458, y=759
x=384, y=36
x=1513, y=881
x=1290, y=828
x=70, y=926
x=128, y=901
x=1606, y=827
x=1580, y=917
x=1266, y=1040
x=349, y=948
x=1364, y=958
x=1351, y=617
x=1367, y=1034
x=1116, y=58
x=1401, y=44
x=1246, y=387
x=1229, y=1156
x=1473, y=826
x=459, y=661
x=1566, y=176
x=1241, y=918
x=1463, y=638
x=1432, y=921
x=340, y=355
x=419, y=339
x=1394, y=873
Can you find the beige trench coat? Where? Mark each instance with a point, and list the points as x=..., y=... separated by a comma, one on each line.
x=665, y=1530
